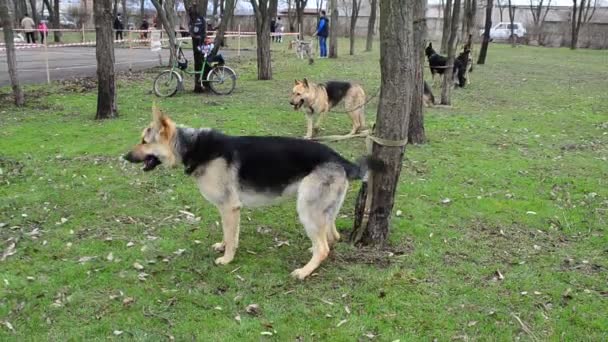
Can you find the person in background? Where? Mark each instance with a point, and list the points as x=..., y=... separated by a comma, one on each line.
x=43, y=30
x=145, y=26
x=28, y=25
x=273, y=29
x=322, y=32
x=118, y=26
x=280, y=29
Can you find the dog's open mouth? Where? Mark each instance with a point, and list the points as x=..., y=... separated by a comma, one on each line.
x=151, y=162
x=299, y=104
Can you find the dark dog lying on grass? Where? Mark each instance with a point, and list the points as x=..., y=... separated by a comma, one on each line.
x=236, y=171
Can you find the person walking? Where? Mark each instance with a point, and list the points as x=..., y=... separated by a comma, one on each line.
x=43, y=30
x=29, y=27
x=118, y=26
x=322, y=32
x=273, y=29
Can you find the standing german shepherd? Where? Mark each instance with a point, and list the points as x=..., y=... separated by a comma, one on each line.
x=318, y=99
x=236, y=171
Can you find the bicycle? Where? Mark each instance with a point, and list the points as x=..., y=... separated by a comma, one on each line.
x=221, y=79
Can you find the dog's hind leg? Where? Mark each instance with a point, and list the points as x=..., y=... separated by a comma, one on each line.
x=317, y=126
x=320, y=196
x=231, y=217
x=355, y=106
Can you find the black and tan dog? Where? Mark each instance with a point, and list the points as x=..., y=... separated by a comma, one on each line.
x=318, y=99
x=245, y=171
x=438, y=63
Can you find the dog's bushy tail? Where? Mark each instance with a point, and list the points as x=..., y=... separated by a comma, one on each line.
x=361, y=168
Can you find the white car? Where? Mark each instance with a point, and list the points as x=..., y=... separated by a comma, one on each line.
x=502, y=31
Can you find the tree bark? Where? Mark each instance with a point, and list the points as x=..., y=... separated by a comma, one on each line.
x=397, y=83
x=371, y=24
x=20, y=8
x=300, y=5
x=11, y=58
x=448, y=80
x=264, y=10
x=512, y=19
x=483, y=52
x=55, y=21
x=228, y=12
x=581, y=14
x=34, y=12
x=447, y=23
x=166, y=14
x=142, y=11
x=353, y=24
x=333, y=30
x=416, y=134
x=104, y=51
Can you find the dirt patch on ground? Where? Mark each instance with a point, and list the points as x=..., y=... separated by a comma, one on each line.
x=382, y=257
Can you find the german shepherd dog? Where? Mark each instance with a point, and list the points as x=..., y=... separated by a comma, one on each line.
x=303, y=48
x=247, y=171
x=437, y=64
x=318, y=99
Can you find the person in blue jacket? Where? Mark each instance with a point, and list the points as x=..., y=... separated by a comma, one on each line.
x=322, y=33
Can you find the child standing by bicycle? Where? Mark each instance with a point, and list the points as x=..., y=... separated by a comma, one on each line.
x=206, y=50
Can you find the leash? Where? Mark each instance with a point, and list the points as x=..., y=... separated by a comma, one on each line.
x=360, y=106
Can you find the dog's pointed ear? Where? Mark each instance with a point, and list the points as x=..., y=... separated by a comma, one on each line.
x=297, y=82
x=159, y=118
x=305, y=83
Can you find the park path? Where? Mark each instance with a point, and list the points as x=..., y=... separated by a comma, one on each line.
x=78, y=61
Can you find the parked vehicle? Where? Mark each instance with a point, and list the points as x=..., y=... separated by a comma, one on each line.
x=502, y=31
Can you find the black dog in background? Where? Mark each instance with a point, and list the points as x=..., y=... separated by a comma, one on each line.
x=438, y=64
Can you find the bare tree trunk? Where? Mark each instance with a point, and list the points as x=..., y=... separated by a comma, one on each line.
x=371, y=25
x=300, y=5
x=447, y=23
x=483, y=52
x=264, y=11
x=166, y=14
x=215, y=6
x=104, y=51
x=353, y=24
x=448, y=80
x=290, y=17
x=20, y=8
x=142, y=11
x=334, y=26
x=11, y=58
x=581, y=14
x=34, y=12
x=512, y=19
x=55, y=21
x=397, y=83
x=501, y=8
x=416, y=134
x=228, y=12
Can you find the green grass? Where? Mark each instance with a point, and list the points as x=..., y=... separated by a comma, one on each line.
x=522, y=156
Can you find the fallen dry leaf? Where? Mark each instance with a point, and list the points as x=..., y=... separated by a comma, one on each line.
x=9, y=326
x=10, y=250
x=138, y=266
x=117, y=332
x=237, y=318
x=341, y=323
x=130, y=244
x=128, y=301
x=266, y=333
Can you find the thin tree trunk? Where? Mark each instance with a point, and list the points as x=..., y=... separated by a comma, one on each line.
x=34, y=12
x=483, y=52
x=416, y=134
x=142, y=11
x=264, y=10
x=397, y=83
x=55, y=21
x=334, y=25
x=20, y=8
x=448, y=81
x=512, y=19
x=300, y=5
x=104, y=51
x=371, y=25
x=11, y=58
x=353, y=24
x=228, y=12
x=447, y=23
x=125, y=14
x=166, y=15
x=215, y=7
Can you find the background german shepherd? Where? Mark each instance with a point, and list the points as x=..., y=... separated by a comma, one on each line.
x=236, y=171
x=318, y=99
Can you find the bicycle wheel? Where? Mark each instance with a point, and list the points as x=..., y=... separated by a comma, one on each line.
x=222, y=80
x=166, y=83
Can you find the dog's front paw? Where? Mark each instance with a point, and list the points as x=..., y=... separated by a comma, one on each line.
x=223, y=260
x=219, y=247
x=307, y=137
x=300, y=274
